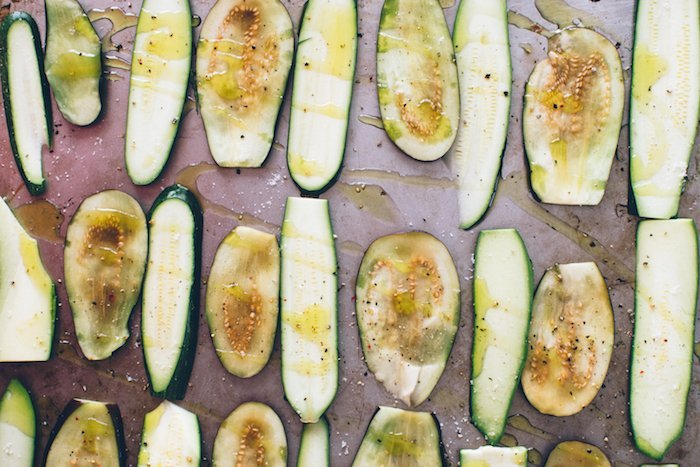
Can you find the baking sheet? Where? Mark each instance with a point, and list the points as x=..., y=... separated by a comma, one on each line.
x=380, y=191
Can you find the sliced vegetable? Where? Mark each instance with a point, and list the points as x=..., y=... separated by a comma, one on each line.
x=576, y=454
x=323, y=76
x=664, y=103
x=170, y=436
x=73, y=61
x=572, y=116
x=104, y=262
x=315, y=447
x=407, y=305
x=492, y=456
x=244, y=55
x=662, y=349
x=87, y=433
x=309, y=292
x=160, y=71
x=171, y=291
x=417, y=78
x=400, y=437
x=25, y=95
x=571, y=339
x=502, y=301
x=17, y=427
x=482, y=53
x=242, y=301
x=27, y=295
x=252, y=434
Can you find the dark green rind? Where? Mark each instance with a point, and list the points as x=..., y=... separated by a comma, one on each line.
x=9, y=20
x=178, y=384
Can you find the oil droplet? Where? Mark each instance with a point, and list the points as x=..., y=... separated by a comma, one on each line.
x=372, y=121
x=351, y=247
x=508, y=440
x=534, y=457
x=520, y=422
x=697, y=349
x=190, y=105
x=390, y=176
x=113, y=76
x=447, y=3
x=527, y=47
x=523, y=22
x=120, y=20
x=278, y=146
x=113, y=61
x=372, y=199
x=41, y=219
x=196, y=21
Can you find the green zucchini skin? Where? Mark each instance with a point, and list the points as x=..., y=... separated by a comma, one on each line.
x=178, y=384
x=34, y=188
x=17, y=426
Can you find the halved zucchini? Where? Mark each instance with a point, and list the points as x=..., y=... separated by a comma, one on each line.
x=25, y=95
x=577, y=454
x=309, y=295
x=252, y=434
x=482, y=53
x=662, y=348
x=244, y=55
x=170, y=306
x=664, y=103
x=571, y=339
x=502, y=301
x=17, y=427
x=407, y=306
x=417, y=78
x=323, y=77
x=73, y=61
x=315, y=445
x=242, y=302
x=87, y=433
x=492, y=456
x=27, y=295
x=170, y=436
x=104, y=262
x=572, y=116
x=400, y=437
x=160, y=71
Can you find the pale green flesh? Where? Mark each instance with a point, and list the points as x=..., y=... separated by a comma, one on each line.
x=482, y=53
x=253, y=428
x=417, y=78
x=309, y=311
x=662, y=349
x=399, y=437
x=27, y=295
x=577, y=454
x=502, y=298
x=17, y=427
x=166, y=289
x=323, y=77
x=73, y=61
x=314, y=448
x=160, y=69
x=571, y=117
x=170, y=436
x=664, y=103
x=241, y=78
x=491, y=456
x=104, y=262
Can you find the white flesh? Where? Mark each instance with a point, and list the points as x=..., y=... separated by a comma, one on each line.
x=170, y=437
x=314, y=450
x=491, y=456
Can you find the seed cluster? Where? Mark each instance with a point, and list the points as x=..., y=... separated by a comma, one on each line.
x=251, y=439
x=411, y=109
x=241, y=319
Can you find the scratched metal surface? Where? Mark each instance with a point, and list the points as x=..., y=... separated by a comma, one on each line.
x=399, y=194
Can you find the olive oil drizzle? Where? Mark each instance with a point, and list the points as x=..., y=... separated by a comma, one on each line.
x=521, y=423
x=521, y=21
x=371, y=120
x=120, y=20
x=41, y=219
x=372, y=199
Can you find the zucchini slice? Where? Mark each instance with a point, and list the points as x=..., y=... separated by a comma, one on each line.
x=104, y=262
x=25, y=95
x=27, y=295
x=492, y=456
x=73, y=61
x=400, y=437
x=664, y=103
x=170, y=436
x=315, y=445
x=17, y=427
x=572, y=116
x=171, y=291
x=571, y=339
x=577, y=454
x=407, y=306
x=309, y=292
x=323, y=77
x=242, y=302
x=252, y=434
x=244, y=54
x=482, y=52
x=160, y=71
x=417, y=78
x=87, y=433
x=662, y=348
x=502, y=301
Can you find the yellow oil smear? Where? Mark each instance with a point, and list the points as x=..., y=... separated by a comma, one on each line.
x=523, y=22
x=120, y=20
x=41, y=219
x=373, y=200
x=558, y=149
x=649, y=67
x=397, y=445
x=371, y=120
x=391, y=176
x=304, y=167
x=311, y=368
x=314, y=321
x=521, y=423
x=508, y=440
x=483, y=302
x=534, y=457
x=338, y=31
x=29, y=251
x=75, y=65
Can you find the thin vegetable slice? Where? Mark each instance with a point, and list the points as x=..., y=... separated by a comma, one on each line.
x=315, y=445
x=17, y=427
x=407, y=306
x=170, y=436
x=244, y=54
x=577, y=454
x=492, y=456
x=662, y=348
